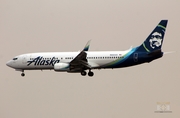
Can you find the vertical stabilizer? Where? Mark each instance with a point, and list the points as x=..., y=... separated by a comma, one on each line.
x=155, y=40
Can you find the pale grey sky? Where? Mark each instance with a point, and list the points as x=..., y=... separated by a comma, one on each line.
x=66, y=25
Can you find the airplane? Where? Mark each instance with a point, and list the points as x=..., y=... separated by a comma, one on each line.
x=85, y=60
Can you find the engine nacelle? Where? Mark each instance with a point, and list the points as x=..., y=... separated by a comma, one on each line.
x=61, y=67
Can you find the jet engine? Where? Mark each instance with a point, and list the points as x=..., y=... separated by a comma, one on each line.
x=61, y=67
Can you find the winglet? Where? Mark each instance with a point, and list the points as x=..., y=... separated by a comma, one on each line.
x=86, y=48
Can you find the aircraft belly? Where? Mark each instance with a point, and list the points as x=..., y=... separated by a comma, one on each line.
x=31, y=67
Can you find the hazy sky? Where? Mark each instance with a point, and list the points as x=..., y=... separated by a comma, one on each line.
x=66, y=25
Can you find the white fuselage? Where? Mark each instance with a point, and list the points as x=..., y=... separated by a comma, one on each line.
x=46, y=60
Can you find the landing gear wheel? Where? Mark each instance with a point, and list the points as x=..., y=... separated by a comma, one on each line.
x=83, y=73
x=22, y=74
x=90, y=73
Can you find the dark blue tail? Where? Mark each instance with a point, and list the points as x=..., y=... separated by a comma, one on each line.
x=154, y=41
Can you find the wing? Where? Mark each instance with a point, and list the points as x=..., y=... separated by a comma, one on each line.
x=79, y=63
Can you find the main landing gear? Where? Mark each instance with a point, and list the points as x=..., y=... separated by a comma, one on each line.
x=90, y=73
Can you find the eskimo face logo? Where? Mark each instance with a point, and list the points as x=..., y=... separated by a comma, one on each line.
x=156, y=40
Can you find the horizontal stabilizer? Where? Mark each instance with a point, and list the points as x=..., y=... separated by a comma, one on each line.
x=169, y=52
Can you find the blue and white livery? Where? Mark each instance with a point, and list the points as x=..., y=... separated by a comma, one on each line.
x=82, y=61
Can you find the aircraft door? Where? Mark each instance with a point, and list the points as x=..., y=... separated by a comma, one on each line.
x=135, y=57
x=24, y=59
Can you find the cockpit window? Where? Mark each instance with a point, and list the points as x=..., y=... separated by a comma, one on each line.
x=15, y=58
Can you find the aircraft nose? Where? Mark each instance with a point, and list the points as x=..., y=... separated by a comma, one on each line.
x=9, y=63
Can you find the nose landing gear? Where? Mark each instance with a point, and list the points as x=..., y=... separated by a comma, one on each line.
x=22, y=74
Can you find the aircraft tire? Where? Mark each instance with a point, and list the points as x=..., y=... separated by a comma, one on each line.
x=22, y=74
x=90, y=74
x=83, y=73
